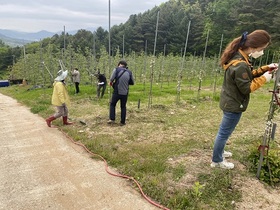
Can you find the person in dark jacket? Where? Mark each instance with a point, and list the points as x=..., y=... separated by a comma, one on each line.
x=120, y=79
x=240, y=79
x=101, y=85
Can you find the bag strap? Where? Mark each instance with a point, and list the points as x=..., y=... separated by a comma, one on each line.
x=120, y=75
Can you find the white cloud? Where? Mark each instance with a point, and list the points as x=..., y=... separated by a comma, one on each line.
x=53, y=15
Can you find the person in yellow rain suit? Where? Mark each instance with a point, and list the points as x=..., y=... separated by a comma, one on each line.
x=60, y=99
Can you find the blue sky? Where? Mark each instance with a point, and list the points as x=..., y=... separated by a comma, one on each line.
x=53, y=15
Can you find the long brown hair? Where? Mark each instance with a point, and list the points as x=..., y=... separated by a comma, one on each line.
x=257, y=38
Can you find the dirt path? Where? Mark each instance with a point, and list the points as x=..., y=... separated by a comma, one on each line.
x=42, y=169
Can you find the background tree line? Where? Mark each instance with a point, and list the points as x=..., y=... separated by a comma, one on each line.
x=221, y=20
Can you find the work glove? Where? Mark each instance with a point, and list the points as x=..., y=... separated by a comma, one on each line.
x=268, y=76
x=273, y=66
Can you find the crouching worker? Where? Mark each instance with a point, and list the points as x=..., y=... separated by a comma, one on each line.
x=101, y=85
x=60, y=98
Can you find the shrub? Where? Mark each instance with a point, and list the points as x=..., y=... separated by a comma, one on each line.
x=270, y=171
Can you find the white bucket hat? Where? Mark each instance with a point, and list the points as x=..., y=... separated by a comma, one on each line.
x=61, y=75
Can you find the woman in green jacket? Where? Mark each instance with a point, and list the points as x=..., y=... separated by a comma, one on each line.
x=240, y=79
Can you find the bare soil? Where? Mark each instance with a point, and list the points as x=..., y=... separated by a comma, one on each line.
x=42, y=169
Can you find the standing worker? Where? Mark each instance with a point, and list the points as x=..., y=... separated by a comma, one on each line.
x=60, y=99
x=240, y=79
x=120, y=80
x=76, y=79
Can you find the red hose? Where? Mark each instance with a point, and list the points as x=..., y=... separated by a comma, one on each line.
x=113, y=174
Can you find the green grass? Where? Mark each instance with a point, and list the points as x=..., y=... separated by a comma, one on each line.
x=166, y=147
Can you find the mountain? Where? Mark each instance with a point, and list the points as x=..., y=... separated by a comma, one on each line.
x=12, y=41
x=25, y=35
x=18, y=38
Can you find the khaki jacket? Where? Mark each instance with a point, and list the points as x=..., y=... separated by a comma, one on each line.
x=240, y=79
x=76, y=76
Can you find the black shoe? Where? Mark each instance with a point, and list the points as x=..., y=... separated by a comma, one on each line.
x=122, y=124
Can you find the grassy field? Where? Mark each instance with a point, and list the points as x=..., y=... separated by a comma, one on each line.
x=166, y=145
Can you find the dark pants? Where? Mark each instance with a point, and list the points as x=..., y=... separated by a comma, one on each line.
x=99, y=87
x=114, y=100
x=77, y=87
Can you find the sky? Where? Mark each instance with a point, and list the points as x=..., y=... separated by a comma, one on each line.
x=54, y=15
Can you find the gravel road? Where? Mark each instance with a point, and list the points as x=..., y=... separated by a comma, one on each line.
x=43, y=169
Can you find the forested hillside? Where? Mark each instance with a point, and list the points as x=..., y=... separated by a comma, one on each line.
x=214, y=22
x=229, y=18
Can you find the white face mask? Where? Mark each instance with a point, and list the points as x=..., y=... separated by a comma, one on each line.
x=257, y=54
